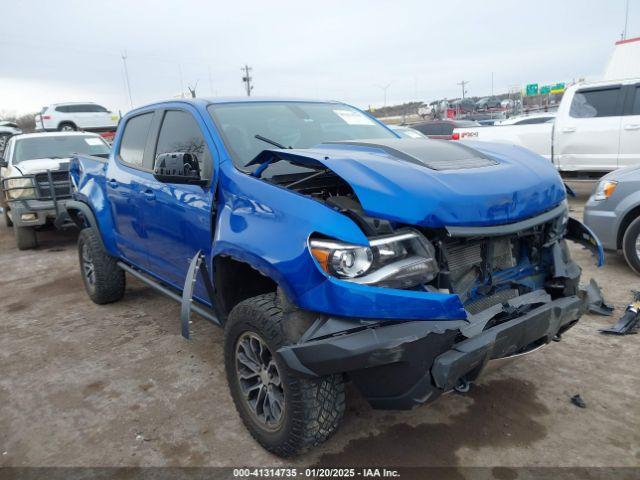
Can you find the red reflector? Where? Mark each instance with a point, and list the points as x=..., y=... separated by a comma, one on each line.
x=455, y=136
x=46, y=117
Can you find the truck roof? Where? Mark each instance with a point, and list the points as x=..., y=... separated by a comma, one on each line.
x=203, y=102
x=54, y=134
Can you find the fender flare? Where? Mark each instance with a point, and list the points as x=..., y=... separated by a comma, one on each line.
x=73, y=207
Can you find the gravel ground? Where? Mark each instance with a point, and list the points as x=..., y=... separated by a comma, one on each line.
x=84, y=385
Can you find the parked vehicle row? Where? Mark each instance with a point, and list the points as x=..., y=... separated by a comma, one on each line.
x=596, y=129
x=68, y=117
x=337, y=251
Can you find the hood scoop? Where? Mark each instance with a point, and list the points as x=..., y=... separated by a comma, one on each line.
x=441, y=155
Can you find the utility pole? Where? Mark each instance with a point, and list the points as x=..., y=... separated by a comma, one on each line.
x=126, y=77
x=246, y=79
x=384, y=89
x=462, y=84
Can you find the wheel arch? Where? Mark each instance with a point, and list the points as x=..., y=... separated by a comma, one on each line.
x=66, y=122
x=84, y=217
x=628, y=218
x=237, y=279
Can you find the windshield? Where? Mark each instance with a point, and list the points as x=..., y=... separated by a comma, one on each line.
x=57, y=146
x=291, y=124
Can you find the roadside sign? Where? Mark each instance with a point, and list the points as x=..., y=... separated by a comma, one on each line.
x=531, y=89
x=545, y=89
x=557, y=88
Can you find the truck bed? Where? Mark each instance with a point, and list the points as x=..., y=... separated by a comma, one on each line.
x=536, y=137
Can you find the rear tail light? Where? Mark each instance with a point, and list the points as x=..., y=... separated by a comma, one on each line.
x=455, y=136
x=46, y=117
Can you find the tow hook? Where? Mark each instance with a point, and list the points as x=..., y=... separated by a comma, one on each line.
x=463, y=385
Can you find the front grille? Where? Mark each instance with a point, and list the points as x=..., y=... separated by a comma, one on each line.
x=487, y=302
x=60, y=184
x=469, y=261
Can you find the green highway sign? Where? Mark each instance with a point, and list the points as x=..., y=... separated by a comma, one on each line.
x=532, y=89
x=544, y=90
x=557, y=88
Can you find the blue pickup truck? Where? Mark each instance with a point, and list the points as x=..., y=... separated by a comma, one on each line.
x=330, y=250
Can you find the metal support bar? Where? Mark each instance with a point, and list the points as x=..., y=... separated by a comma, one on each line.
x=169, y=293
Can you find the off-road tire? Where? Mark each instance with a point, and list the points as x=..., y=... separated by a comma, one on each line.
x=25, y=238
x=70, y=127
x=313, y=407
x=631, y=255
x=7, y=220
x=109, y=279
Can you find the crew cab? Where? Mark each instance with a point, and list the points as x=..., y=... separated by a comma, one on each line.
x=330, y=250
x=596, y=129
x=34, y=179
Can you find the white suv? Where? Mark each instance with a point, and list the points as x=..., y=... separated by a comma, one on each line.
x=76, y=116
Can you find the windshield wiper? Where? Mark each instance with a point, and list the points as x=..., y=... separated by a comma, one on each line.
x=272, y=142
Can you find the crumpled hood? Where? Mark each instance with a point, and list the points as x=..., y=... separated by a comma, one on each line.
x=437, y=183
x=39, y=165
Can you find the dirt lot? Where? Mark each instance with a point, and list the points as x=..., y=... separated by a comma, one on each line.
x=84, y=385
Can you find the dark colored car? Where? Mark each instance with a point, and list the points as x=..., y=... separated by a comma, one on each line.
x=442, y=129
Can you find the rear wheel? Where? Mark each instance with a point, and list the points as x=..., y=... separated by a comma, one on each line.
x=25, y=238
x=103, y=280
x=284, y=413
x=67, y=127
x=631, y=245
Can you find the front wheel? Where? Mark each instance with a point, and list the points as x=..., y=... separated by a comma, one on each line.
x=25, y=238
x=631, y=245
x=103, y=279
x=284, y=413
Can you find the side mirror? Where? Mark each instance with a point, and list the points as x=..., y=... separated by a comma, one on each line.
x=3, y=163
x=182, y=168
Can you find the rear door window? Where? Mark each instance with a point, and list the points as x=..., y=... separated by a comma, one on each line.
x=593, y=103
x=446, y=129
x=134, y=139
x=180, y=133
x=635, y=105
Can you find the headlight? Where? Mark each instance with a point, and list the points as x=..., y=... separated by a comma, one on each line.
x=605, y=189
x=402, y=260
x=20, y=188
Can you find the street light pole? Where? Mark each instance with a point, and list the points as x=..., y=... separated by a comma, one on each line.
x=126, y=77
x=384, y=89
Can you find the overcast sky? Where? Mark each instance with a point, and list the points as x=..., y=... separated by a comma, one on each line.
x=56, y=51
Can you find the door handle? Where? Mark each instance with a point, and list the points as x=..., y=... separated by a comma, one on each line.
x=568, y=129
x=149, y=195
x=632, y=126
x=113, y=183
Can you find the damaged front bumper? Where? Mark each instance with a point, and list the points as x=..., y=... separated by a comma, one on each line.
x=402, y=365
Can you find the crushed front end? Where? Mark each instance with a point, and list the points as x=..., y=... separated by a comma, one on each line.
x=519, y=288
